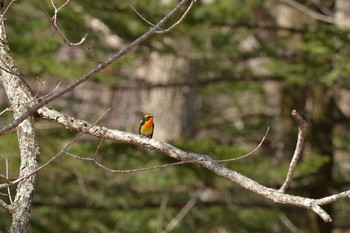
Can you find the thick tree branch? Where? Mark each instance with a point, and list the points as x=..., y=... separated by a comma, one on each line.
x=95, y=70
x=178, y=154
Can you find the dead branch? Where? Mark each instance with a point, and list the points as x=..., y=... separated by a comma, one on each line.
x=179, y=21
x=248, y=154
x=302, y=127
x=300, y=7
x=93, y=160
x=160, y=30
x=59, y=154
x=97, y=163
x=6, y=9
x=172, y=224
x=3, y=204
x=53, y=22
x=92, y=72
x=201, y=159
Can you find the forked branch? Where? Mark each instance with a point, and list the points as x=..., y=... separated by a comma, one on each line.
x=205, y=161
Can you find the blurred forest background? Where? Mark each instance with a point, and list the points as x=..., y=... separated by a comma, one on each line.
x=216, y=82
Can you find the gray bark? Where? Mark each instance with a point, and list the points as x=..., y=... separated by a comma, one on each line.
x=21, y=99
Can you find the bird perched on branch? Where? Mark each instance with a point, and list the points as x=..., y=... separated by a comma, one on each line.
x=146, y=126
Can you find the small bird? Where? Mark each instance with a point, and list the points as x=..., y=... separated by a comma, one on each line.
x=146, y=126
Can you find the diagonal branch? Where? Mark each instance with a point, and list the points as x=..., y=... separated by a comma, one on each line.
x=92, y=72
x=178, y=154
x=59, y=154
x=53, y=22
x=3, y=204
x=175, y=221
x=300, y=7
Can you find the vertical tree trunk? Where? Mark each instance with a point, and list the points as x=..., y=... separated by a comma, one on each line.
x=322, y=144
x=293, y=96
x=342, y=13
x=166, y=103
x=21, y=99
x=190, y=94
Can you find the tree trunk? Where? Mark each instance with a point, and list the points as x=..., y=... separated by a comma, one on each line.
x=21, y=99
x=166, y=103
x=322, y=144
x=342, y=13
x=293, y=96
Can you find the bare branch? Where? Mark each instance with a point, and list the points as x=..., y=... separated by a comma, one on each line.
x=3, y=204
x=143, y=18
x=95, y=70
x=13, y=71
x=311, y=13
x=183, y=156
x=5, y=110
x=323, y=214
x=285, y=220
x=7, y=177
x=2, y=177
x=248, y=154
x=93, y=160
x=160, y=30
x=53, y=22
x=177, y=22
x=6, y=9
x=54, y=18
x=189, y=205
x=302, y=127
x=158, y=166
x=334, y=198
x=59, y=154
x=57, y=86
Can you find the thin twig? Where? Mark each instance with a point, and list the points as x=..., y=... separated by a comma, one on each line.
x=6, y=9
x=302, y=127
x=55, y=89
x=53, y=21
x=177, y=22
x=3, y=204
x=143, y=18
x=161, y=212
x=2, y=177
x=288, y=223
x=54, y=18
x=15, y=72
x=160, y=30
x=246, y=155
x=311, y=13
x=5, y=110
x=173, y=223
x=59, y=154
x=7, y=177
x=93, y=160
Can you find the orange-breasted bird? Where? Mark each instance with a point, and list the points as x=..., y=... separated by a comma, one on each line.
x=146, y=126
